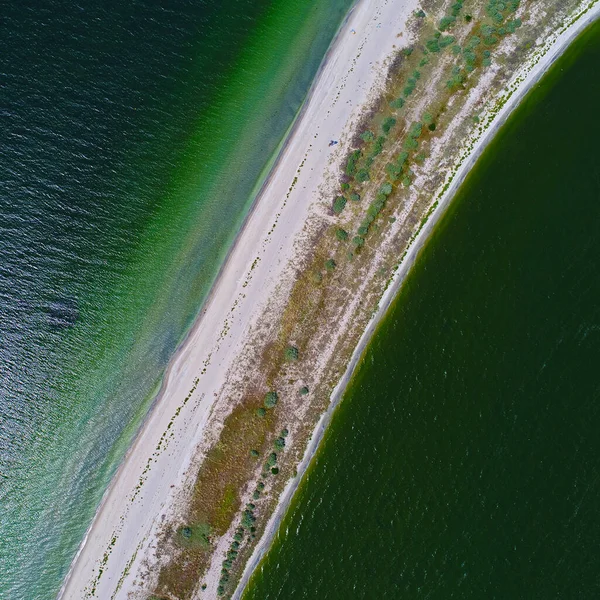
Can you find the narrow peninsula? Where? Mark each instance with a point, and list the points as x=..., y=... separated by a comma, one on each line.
x=408, y=95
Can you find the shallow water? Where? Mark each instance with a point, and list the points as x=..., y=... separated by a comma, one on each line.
x=133, y=138
x=464, y=460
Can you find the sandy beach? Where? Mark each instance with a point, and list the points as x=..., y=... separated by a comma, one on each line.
x=121, y=542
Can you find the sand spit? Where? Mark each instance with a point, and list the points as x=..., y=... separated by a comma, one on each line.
x=122, y=537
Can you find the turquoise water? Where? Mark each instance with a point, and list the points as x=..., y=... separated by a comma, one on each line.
x=464, y=460
x=133, y=138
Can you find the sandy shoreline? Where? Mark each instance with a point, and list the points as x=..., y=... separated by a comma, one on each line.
x=533, y=74
x=144, y=490
x=139, y=497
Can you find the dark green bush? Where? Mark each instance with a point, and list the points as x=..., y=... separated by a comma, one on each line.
x=291, y=353
x=274, y=471
x=339, y=204
x=330, y=264
x=393, y=171
x=410, y=144
x=446, y=40
x=261, y=412
x=397, y=103
x=271, y=399
x=279, y=443
x=415, y=130
x=385, y=189
x=362, y=175
x=432, y=45
x=341, y=234
x=352, y=162
x=379, y=142
x=272, y=460
x=256, y=494
x=303, y=390
x=387, y=124
x=367, y=136
x=446, y=22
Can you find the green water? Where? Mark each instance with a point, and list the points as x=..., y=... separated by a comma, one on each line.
x=133, y=138
x=464, y=461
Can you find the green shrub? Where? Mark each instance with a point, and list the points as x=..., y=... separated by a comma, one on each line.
x=238, y=537
x=408, y=90
x=363, y=230
x=446, y=40
x=367, y=136
x=456, y=49
x=420, y=14
x=431, y=127
x=355, y=197
x=248, y=520
x=446, y=22
x=407, y=51
x=254, y=452
x=291, y=353
x=415, y=130
x=272, y=460
x=341, y=234
x=397, y=103
x=339, y=204
x=274, y=471
x=362, y=175
x=261, y=412
x=303, y=390
x=260, y=485
x=330, y=264
x=256, y=494
x=410, y=144
x=284, y=432
x=271, y=399
x=385, y=189
x=432, y=45
x=352, y=162
x=427, y=118
x=379, y=142
x=279, y=443
x=358, y=241
x=345, y=187
x=393, y=171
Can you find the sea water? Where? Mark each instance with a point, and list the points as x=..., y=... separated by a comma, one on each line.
x=134, y=135
x=464, y=459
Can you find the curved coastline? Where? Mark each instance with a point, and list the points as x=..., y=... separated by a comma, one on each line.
x=528, y=77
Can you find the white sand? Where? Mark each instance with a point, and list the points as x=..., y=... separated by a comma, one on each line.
x=124, y=530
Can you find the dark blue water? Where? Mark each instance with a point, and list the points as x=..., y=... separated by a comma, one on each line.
x=464, y=460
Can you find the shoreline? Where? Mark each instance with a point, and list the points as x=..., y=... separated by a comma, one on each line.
x=533, y=74
x=174, y=368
